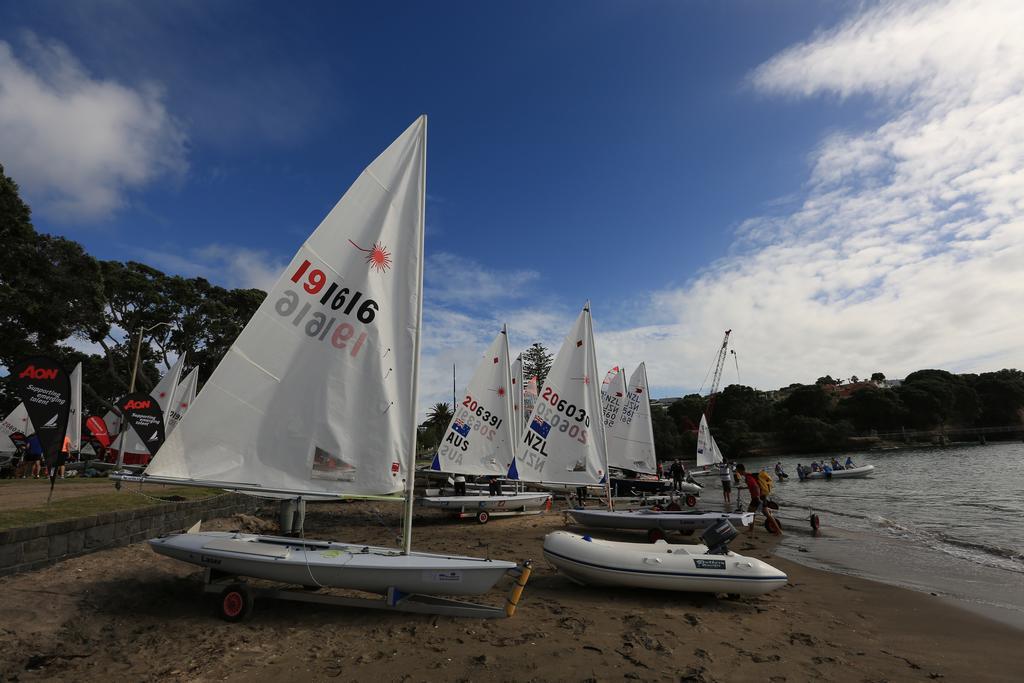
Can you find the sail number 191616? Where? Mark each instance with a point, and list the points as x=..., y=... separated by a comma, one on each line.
x=336, y=300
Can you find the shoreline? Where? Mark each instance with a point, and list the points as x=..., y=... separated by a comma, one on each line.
x=129, y=612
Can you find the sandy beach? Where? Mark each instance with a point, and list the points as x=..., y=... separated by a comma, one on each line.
x=128, y=613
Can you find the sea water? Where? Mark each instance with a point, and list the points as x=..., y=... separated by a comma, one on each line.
x=948, y=521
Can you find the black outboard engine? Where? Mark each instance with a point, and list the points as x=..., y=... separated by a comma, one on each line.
x=717, y=537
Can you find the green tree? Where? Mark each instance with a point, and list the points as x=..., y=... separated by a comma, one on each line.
x=537, y=363
x=873, y=409
x=668, y=443
x=877, y=377
x=686, y=413
x=1002, y=397
x=809, y=400
x=432, y=430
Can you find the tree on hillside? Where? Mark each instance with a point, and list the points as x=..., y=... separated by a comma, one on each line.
x=537, y=363
x=668, y=443
x=877, y=377
x=1002, y=397
x=809, y=400
x=686, y=412
x=873, y=409
x=827, y=379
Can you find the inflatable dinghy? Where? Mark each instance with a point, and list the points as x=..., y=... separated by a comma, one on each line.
x=853, y=473
x=659, y=565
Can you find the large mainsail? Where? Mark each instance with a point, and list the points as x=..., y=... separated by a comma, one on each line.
x=564, y=442
x=479, y=440
x=318, y=393
x=631, y=437
x=707, y=449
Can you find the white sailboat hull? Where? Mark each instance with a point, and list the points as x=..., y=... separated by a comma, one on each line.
x=855, y=473
x=518, y=501
x=657, y=519
x=659, y=566
x=328, y=563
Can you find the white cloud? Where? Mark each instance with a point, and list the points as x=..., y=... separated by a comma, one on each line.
x=222, y=264
x=907, y=248
x=78, y=144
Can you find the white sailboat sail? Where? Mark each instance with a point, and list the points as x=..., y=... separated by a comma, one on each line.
x=74, y=432
x=164, y=390
x=609, y=376
x=631, y=437
x=518, y=407
x=564, y=442
x=479, y=439
x=318, y=393
x=530, y=391
x=162, y=393
x=184, y=394
x=15, y=422
x=707, y=449
x=613, y=397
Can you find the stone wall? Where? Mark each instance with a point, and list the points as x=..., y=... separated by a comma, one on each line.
x=36, y=546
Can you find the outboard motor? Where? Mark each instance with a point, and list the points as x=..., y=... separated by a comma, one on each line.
x=717, y=537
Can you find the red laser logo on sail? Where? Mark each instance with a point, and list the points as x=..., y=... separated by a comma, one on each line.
x=378, y=257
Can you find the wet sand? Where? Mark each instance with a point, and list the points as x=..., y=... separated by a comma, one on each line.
x=130, y=614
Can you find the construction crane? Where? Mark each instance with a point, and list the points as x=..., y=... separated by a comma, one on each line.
x=717, y=377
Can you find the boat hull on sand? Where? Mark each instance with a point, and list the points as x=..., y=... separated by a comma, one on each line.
x=854, y=473
x=659, y=566
x=515, y=501
x=328, y=563
x=666, y=520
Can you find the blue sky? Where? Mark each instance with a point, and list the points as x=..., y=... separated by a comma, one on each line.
x=687, y=166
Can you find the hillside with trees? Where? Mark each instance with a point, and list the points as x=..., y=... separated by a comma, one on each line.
x=829, y=415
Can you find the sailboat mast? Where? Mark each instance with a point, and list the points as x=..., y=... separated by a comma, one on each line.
x=410, y=482
x=600, y=420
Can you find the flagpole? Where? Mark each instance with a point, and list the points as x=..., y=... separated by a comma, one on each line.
x=410, y=483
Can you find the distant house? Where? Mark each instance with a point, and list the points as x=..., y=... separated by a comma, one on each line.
x=665, y=402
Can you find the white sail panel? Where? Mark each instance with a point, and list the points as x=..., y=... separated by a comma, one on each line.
x=564, y=440
x=184, y=394
x=317, y=394
x=707, y=449
x=631, y=438
x=518, y=406
x=609, y=376
x=530, y=392
x=74, y=432
x=163, y=392
x=478, y=440
x=16, y=421
x=613, y=397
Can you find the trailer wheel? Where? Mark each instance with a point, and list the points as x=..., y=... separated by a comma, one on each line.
x=482, y=517
x=655, y=535
x=691, y=500
x=235, y=602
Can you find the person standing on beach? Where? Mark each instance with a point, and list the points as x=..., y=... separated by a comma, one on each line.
x=725, y=475
x=35, y=455
x=754, y=488
x=677, y=475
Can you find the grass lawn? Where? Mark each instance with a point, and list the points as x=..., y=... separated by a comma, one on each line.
x=111, y=501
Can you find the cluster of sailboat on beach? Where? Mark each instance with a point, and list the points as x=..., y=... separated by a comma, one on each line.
x=317, y=398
